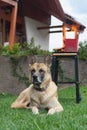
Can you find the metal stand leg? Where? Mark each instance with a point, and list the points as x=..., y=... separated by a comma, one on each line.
x=54, y=72
x=78, y=96
x=54, y=68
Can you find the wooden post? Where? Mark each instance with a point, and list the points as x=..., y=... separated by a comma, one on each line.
x=13, y=25
x=3, y=32
x=76, y=33
x=64, y=33
x=75, y=29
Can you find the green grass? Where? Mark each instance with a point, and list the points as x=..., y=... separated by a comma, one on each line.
x=74, y=116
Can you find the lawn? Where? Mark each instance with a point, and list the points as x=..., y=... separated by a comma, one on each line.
x=74, y=116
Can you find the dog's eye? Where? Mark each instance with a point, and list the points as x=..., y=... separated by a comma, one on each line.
x=33, y=70
x=41, y=70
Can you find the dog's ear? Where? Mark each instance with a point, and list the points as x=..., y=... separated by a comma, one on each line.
x=30, y=66
x=48, y=65
x=48, y=60
x=32, y=60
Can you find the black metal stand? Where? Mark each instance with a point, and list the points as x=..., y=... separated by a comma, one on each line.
x=55, y=62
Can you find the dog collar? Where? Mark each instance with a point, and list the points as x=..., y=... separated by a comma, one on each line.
x=40, y=89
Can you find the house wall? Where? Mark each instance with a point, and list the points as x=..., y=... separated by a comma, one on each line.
x=41, y=37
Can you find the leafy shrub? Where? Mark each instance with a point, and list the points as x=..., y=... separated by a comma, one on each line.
x=32, y=49
x=6, y=50
x=24, y=50
x=83, y=50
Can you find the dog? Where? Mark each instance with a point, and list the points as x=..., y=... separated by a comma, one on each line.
x=42, y=93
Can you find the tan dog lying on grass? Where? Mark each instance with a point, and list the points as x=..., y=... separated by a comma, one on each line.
x=41, y=94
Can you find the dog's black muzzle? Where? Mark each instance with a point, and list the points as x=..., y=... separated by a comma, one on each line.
x=35, y=79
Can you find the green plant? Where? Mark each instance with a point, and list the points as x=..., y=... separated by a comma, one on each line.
x=32, y=49
x=0, y=50
x=23, y=50
x=6, y=50
x=82, y=52
x=20, y=75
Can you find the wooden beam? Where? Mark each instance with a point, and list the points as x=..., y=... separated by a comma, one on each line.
x=64, y=32
x=48, y=27
x=10, y=2
x=7, y=17
x=58, y=31
x=13, y=25
x=3, y=32
x=4, y=16
x=75, y=29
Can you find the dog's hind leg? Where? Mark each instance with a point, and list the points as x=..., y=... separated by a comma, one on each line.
x=18, y=105
x=23, y=99
x=20, y=102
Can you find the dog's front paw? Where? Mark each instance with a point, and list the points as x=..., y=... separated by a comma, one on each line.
x=51, y=111
x=35, y=110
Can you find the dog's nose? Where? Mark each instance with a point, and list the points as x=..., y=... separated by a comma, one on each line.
x=35, y=77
